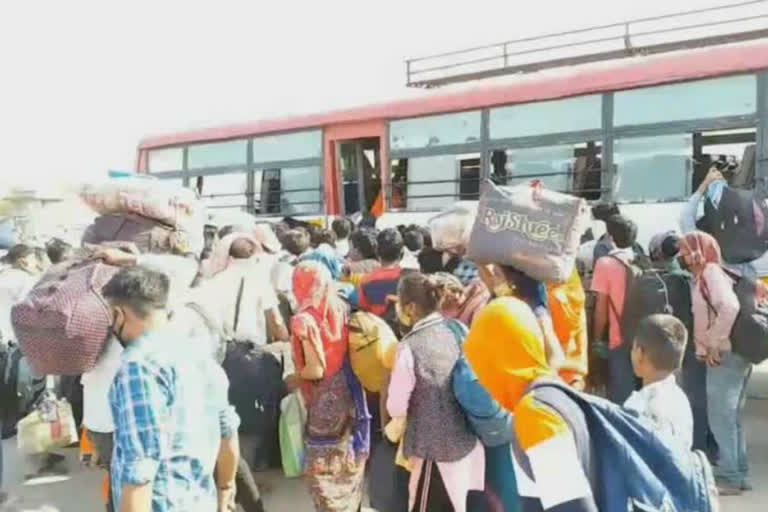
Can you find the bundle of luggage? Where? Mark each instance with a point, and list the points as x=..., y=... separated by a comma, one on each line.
x=157, y=216
x=64, y=322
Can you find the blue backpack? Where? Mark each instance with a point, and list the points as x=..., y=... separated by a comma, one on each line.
x=489, y=421
x=629, y=466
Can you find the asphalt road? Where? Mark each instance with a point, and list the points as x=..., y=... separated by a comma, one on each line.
x=80, y=492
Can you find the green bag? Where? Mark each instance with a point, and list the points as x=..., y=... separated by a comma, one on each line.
x=293, y=418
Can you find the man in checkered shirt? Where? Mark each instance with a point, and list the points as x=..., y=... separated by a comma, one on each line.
x=175, y=434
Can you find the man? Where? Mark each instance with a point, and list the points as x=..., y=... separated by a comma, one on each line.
x=174, y=429
x=610, y=284
x=342, y=228
x=378, y=286
x=363, y=256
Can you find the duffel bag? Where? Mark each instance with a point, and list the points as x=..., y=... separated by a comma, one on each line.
x=450, y=229
x=372, y=350
x=63, y=323
x=533, y=229
x=148, y=235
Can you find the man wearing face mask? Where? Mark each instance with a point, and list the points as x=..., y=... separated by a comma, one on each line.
x=175, y=434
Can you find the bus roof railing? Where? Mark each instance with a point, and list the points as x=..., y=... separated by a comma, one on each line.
x=736, y=22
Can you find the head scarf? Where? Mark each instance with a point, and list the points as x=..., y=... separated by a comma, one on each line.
x=220, y=259
x=315, y=293
x=326, y=255
x=264, y=234
x=654, y=246
x=506, y=349
x=699, y=249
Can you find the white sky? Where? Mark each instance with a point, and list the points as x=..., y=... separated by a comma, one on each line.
x=82, y=81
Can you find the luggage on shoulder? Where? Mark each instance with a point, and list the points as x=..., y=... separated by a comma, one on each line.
x=749, y=334
x=533, y=229
x=148, y=235
x=372, y=349
x=739, y=223
x=489, y=421
x=64, y=321
x=631, y=467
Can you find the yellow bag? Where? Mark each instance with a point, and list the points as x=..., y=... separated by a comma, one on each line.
x=372, y=350
x=49, y=426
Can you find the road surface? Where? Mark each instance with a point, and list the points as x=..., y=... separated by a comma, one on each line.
x=81, y=491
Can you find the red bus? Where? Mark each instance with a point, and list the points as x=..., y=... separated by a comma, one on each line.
x=638, y=131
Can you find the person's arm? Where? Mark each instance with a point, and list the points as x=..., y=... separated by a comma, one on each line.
x=552, y=347
x=140, y=399
x=554, y=459
x=276, y=326
x=306, y=332
x=226, y=469
x=724, y=301
x=401, y=383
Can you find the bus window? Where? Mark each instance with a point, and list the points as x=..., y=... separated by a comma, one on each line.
x=291, y=191
x=217, y=154
x=571, y=168
x=729, y=96
x=167, y=159
x=736, y=145
x=434, y=182
x=288, y=146
x=653, y=168
x=433, y=131
x=546, y=117
x=223, y=191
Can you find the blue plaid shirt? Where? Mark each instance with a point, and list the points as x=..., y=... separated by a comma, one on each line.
x=171, y=411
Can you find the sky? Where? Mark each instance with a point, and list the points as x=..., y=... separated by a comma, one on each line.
x=82, y=81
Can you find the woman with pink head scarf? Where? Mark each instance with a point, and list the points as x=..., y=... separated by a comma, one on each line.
x=715, y=307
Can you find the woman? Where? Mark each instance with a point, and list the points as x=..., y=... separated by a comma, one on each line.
x=506, y=281
x=337, y=441
x=506, y=350
x=446, y=459
x=460, y=302
x=715, y=307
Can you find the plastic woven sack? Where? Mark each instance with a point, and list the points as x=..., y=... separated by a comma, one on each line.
x=148, y=236
x=159, y=200
x=64, y=322
x=451, y=228
x=50, y=426
x=533, y=229
x=293, y=417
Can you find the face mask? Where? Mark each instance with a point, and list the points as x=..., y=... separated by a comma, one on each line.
x=117, y=332
x=403, y=317
x=503, y=290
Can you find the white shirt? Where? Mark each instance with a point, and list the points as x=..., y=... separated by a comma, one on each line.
x=97, y=415
x=667, y=407
x=342, y=248
x=218, y=296
x=14, y=286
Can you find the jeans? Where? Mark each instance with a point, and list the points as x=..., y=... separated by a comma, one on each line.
x=694, y=384
x=621, y=375
x=726, y=397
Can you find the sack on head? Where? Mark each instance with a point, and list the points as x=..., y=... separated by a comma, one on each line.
x=533, y=229
x=64, y=322
x=372, y=350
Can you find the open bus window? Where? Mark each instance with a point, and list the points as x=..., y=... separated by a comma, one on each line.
x=570, y=168
x=223, y=191
x=434, y=182
x=670, y=167
x=291, y=191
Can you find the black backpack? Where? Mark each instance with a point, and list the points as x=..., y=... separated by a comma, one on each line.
x=656, y=292
x=749, y=335
x=638, y=274
x=733, y=224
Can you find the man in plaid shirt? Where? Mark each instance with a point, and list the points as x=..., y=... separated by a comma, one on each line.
x=176, y=443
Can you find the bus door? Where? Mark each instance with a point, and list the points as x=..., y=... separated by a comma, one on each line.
x=359, y=171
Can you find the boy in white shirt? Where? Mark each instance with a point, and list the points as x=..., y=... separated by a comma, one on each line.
x=657, y=353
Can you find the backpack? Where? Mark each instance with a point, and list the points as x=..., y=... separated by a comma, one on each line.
x=64, y=322
x=641, y=283
x=372, y=349
x=739, y=223
x=628, y=465
x=489, y=421
x=749, y=334
x=19, y=388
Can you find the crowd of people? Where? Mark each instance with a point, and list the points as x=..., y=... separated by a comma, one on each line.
x=172, y=423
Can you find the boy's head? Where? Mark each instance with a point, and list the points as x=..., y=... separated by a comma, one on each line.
x=659, y=346
x=390, y=244
x=342, y=228
x=414, y=240
x=363, y=245
x=322, y=236
x=137, y=298
x=296, y=241
x=623, y=231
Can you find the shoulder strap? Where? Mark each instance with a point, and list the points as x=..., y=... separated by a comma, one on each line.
x=237, y=306
x=458, y=330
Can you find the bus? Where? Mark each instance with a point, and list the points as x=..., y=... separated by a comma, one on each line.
x=640, y=131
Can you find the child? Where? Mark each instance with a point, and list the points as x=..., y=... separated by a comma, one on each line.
x=657, y=353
